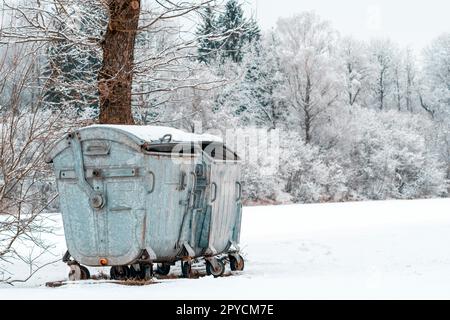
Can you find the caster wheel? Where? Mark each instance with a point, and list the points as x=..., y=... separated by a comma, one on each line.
x=147, y=271
x=141, y=272
x=136, y=272
x=186, y=268
x=236, y=262
x=120, y=272
x=75, y=272
x=163, y=269
x=85, y=274
x=216, y=268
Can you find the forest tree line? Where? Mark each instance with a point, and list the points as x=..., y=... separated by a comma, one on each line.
x=358, y=120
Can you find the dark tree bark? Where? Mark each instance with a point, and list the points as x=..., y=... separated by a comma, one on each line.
x=381, y=89
x=116, y=75
x=307, y=110
x=425, y=106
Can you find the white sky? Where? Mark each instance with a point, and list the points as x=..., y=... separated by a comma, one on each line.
x=413, y=22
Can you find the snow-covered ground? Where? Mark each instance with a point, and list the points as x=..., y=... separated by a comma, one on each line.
x=369, y=250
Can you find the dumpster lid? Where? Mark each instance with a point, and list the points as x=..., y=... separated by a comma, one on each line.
x=138, y=135
x=156, y=133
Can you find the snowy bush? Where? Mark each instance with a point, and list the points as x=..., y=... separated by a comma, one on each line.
x=308, y=175
x=260, y=188
x=27, y=131
x=388, y=155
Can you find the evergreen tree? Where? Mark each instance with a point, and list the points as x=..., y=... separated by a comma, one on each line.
x=262, y=80
x=207, y=47
x=71, y=69
x=236, y=33
x=253, y=33
x=238, y=29
x=252, y=97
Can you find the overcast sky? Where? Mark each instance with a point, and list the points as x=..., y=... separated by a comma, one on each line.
x=413, y=22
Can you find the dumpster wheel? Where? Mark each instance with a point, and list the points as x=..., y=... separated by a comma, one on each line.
x=78, y=272
x=147, y=271
x=85, y=274
x=75, y=272
x=137, y=272
x=215, y=268
x=141, y=272
x=236, y=262
x=163, y=269
x=119, y=272
x=186, y=268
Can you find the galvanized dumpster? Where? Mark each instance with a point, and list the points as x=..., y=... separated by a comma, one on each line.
x=132, y=196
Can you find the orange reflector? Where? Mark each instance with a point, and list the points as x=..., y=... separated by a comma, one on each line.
x=103, y=261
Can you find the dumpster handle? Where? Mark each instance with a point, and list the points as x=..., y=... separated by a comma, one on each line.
x=240, y=190
x=166, y=138
x=96, y=199
x=77, y=153
x=188, y=204
x=215, y=192
x=194, y=180
x=152, y=175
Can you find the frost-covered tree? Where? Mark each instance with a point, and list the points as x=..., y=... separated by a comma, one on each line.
x=434, y=90
x=309, y=65
x=353, y=54
x=251, y=97
x=435, y=87
x=262, y=81
x=398, y=80
x=381, y=52
x=410, y=71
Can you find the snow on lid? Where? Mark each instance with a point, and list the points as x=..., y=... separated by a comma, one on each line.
x=156, y=133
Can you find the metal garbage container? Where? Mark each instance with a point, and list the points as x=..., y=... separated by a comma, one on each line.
x=223, y=208
x=131, y=196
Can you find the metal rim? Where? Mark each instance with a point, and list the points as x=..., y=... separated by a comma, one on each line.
x=218, y=270
x=85, y=274
x=236, y=264
x=119, y=272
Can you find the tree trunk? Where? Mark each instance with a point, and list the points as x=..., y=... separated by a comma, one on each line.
x=116, y=75
x=381, y=86
x=307, y=110
x=398, y=92
x=307, y=128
